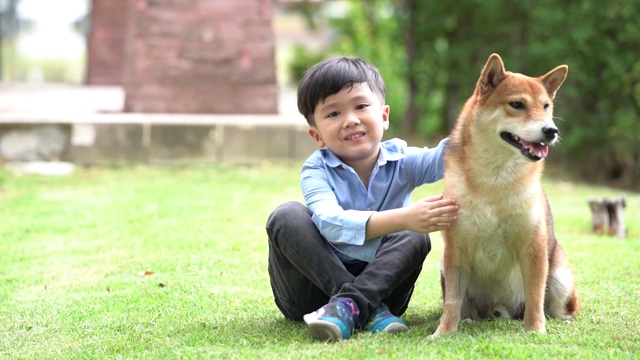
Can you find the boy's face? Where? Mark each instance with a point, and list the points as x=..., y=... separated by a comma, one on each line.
x=351, y=123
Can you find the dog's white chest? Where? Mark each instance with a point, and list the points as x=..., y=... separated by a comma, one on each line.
x=491, y=239
x=490, y=244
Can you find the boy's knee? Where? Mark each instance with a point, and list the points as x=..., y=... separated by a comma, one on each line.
x=288, y=212
x=427, y=242
x=422, y=244
x=290, y=310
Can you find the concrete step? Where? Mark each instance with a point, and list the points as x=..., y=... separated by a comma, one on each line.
x=83, y=125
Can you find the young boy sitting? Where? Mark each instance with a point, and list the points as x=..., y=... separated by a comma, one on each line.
x=355, y=251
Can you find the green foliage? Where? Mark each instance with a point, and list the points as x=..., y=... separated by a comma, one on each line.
x=603, y=58
x=431, y=52
x=302, y=59
x=78, y=252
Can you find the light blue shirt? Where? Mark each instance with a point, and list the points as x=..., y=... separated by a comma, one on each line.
x=342, y=205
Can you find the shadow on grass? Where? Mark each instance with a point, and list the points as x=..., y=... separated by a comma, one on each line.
x=422, y=322
x=275, y=330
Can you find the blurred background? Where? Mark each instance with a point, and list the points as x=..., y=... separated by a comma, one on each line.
x=429, y=52
x=43, y=40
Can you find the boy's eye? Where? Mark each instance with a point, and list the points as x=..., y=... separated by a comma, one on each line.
x=332, y=114
x=361, y=106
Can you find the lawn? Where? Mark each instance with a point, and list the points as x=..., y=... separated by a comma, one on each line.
x=171, y=262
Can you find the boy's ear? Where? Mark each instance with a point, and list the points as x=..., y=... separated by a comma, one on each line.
x=385, y=117
x=315, y=135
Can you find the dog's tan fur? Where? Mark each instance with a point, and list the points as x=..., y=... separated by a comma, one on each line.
x=501, y=258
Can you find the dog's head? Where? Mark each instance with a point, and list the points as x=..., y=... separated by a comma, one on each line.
x=519, y=108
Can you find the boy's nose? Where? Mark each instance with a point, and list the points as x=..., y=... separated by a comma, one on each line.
x=351, y=120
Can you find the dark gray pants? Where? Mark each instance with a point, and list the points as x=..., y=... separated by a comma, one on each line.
x=305, y=273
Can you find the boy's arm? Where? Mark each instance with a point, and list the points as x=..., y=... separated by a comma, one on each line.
x=427, y=163
x=354, y=227
x=426, y=215
x=385, y=222
x=337, y=225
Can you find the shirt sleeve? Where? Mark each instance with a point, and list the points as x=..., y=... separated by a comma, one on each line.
x=428, y=164
x=337, y=225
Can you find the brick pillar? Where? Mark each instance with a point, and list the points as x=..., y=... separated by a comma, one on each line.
x=107, y=32
x=200, y=56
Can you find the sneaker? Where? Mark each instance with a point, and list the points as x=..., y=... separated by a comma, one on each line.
x=334, y=321
x=381, y=320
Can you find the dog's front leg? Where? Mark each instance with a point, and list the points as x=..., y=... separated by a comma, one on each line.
x=456, y=281
x=534, y=273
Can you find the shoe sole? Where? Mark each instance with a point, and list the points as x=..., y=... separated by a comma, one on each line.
x=395, y=328
x=324, y=330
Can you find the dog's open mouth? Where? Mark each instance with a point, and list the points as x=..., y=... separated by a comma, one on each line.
x=534, y=151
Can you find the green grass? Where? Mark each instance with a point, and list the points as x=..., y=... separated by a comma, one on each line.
x=73, y=249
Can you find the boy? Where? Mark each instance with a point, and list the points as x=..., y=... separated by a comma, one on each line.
x=355, y=251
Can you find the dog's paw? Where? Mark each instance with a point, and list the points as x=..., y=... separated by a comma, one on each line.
x=541, y=332
x=536, y=325
x=536, y=330
x=469, y=321
x=438, y=333
x=442, y=331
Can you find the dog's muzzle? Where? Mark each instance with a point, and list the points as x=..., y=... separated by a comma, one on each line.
x=533, y=150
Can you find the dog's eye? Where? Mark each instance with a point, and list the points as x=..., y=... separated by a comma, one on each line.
x=546, y=107
x=518, y=105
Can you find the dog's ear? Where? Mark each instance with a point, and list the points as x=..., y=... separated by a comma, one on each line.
x=553, y=79
x=492, y=74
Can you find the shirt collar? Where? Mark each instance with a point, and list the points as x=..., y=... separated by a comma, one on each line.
x=389, y=151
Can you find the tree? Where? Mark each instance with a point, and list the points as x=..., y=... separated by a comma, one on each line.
x=431, y=52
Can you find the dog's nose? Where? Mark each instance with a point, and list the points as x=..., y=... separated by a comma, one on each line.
x=550, y=132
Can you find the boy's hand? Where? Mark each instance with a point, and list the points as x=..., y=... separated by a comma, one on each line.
x=431, y=214
x=426, y=215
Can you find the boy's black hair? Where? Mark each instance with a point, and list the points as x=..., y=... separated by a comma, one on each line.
x=330, y=76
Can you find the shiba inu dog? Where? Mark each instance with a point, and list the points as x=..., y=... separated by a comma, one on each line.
x=501, y=258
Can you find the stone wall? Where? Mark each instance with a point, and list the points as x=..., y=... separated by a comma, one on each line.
x=106, y=58
x=200, y=56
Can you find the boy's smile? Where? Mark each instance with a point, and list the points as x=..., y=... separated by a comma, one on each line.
x=355, y=135
x=351, y=123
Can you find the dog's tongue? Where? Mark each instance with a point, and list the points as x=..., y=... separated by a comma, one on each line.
x=537, y=149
